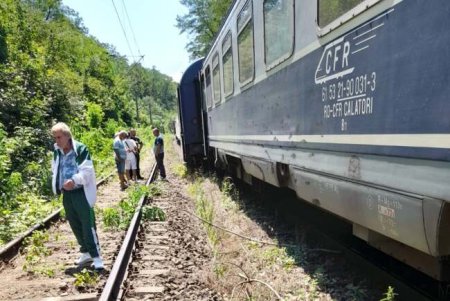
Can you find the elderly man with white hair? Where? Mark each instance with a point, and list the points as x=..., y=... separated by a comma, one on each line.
x=74, y=178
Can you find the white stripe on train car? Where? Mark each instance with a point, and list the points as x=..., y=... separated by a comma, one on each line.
x=406, y=140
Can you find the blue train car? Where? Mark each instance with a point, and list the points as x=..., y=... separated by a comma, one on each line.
x=347, y=103
x=190, y=115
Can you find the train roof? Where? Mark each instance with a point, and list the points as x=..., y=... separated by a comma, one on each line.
x=191, y=72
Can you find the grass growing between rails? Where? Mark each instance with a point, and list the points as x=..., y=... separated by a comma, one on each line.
x=35, y=251
x=119, y=217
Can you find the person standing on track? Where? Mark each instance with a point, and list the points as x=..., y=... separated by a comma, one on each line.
x=158, y=151
x=74, y=177
x=139, y=144
x=120, y=156
x=130, y=163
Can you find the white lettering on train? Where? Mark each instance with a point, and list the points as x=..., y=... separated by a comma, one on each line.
x=354, y=107
x=334, y=56
x=361, y=106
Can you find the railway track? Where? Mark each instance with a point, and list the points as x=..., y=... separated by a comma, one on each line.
x=12, y=248
x=161, y=260
x=112, y=289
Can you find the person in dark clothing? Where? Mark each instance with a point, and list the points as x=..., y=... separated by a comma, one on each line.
x=158, y=150
x=139, y=144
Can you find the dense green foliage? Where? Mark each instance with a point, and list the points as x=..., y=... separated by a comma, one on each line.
x=52, y=70
x=329, y=10
x=202, y=22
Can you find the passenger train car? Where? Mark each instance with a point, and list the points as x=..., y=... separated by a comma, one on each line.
x=189, y=129
x=347, y=103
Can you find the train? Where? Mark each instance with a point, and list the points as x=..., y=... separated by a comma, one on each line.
x=345, y=102
x=190, y=131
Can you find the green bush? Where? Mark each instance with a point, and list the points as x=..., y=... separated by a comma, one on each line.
x=111, y=128
x=94, y=115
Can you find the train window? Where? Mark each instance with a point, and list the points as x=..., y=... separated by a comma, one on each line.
x=216, y=79
x=278, y=31
x=245, y=44
x=227, y=62
x=208, y=87
x=330, y=10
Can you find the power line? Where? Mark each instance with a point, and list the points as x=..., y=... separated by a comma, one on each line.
x=123, y=29
x=131, y=28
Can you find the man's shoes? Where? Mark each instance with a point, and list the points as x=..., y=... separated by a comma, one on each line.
x=140, y=178
x=97, y=263
x=84, y=259
x=163, y=179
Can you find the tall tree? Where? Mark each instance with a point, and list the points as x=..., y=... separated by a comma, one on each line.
x=202, y=22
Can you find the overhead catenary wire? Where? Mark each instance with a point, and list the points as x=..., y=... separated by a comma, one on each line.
x=132, y=31
x=123, y=29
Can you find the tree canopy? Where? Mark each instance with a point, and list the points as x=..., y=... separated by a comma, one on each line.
x=202, y=23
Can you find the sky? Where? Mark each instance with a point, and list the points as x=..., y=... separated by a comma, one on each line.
x=153, y=24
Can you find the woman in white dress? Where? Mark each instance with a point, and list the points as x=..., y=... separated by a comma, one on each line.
x=130, y=163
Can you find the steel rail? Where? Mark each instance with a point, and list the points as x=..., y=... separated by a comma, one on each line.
x=10, y=249
x=111, y=291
